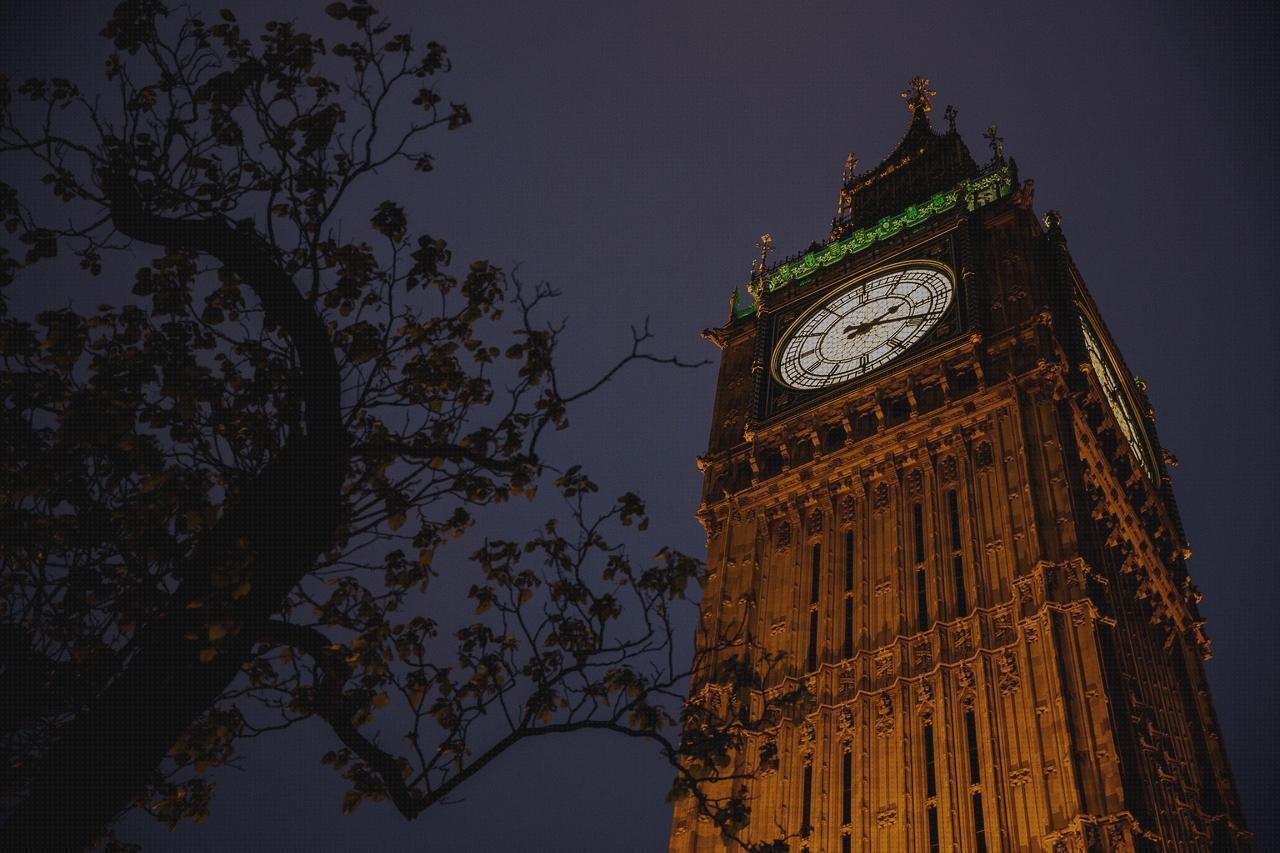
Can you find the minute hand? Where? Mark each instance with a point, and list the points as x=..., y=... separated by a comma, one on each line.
x=854, y=331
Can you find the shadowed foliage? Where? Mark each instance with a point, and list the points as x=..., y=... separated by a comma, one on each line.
x=226, y=504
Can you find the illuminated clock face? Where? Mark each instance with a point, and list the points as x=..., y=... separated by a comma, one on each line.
x=863, y=327
x=1116, y=399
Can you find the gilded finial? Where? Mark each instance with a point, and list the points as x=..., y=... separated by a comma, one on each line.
x=850, y=167
x=765, y=246
x=917, y=97
x=846, y=187
x=996, y=141
x=759, y=267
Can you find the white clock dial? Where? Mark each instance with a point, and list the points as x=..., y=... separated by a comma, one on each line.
x=863, y=327
x=1116, y=399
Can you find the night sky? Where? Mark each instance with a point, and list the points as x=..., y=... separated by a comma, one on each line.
x=631, y=154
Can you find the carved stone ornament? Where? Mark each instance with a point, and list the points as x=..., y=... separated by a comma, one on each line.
x=922, y=654
x=884, y=715
x=984, y=457
x=815, y=522
x=848, y=685
x=782, y=538
x=884, y=666
x=887, y=816
x=1010, y=680
x=1002, y=626
x=845, y=720
x=924, y=703
x=846, y=509
x=715, y=525
x=880, y=497
x=808, y=735
x=962, y=641
x=915, y=483
x=948, y=470
x=965, y=677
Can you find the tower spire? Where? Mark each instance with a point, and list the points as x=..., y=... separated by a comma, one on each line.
x=924, y=161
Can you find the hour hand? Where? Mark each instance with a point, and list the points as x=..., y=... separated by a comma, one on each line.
x=851, y=331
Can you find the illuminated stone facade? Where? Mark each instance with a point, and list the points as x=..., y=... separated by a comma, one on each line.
x=971, y=556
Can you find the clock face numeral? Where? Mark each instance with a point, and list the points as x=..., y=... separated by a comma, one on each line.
x=1116, y=400
x=863, y=327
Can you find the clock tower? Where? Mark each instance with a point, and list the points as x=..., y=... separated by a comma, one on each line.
x=948, y=605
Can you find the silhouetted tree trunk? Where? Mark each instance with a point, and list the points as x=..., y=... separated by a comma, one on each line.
x=280, y=524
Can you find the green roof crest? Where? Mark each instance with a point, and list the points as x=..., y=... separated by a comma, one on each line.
x=973, y=192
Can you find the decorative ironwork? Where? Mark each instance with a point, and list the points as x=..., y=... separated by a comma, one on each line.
x=846, y=186
x=760, y=265
x=850, y=167
x=917, y=97
x=995, y=141
x=973, y=193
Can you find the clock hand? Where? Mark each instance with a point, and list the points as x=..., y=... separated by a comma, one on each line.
x=923, y=316
x=852, y=331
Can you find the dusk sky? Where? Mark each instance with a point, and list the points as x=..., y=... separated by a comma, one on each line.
x=631, y=155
